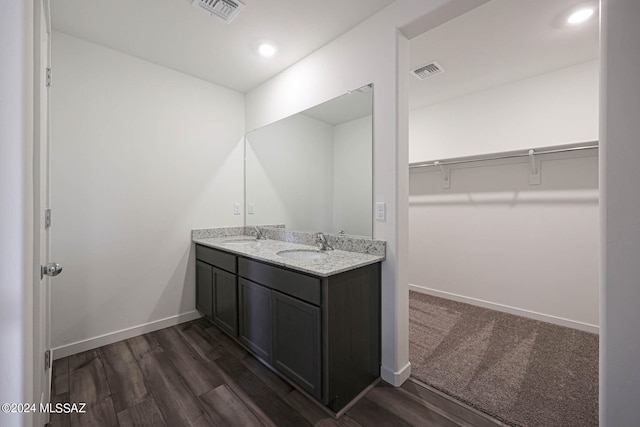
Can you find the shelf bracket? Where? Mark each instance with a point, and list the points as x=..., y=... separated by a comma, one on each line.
x=534, y=168
x=445, y=175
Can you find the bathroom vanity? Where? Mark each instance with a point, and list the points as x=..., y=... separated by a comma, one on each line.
x=311, y=316
x=316, y=322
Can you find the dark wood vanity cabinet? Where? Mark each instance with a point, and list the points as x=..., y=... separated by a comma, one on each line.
x=225, y=301
x=282, y=331
x=255, y=318
x=321, y=333
x=297, y=342
x=204, y=289
x=294, y=320
x=216, y=289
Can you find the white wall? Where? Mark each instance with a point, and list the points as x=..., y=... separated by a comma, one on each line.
x=373, y=52
x=555, y=108
x=140, y=156
x=289, y=162
x=16, y=208
x=352, y=172
x=620, y=175
x=494, y=240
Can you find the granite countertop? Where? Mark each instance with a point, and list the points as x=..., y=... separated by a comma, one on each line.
x=337, y=261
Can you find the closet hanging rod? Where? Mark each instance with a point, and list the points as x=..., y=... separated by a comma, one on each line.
x=504, y=156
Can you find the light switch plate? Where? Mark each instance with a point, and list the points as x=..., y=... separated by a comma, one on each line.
x=381, y=211
x=250, y=208
x=236, y=208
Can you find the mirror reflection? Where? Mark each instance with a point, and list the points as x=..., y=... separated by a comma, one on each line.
x=313, y=171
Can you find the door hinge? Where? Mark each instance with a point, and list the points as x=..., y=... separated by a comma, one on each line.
x=48, y=76
x=47, y=218
x=47, y=359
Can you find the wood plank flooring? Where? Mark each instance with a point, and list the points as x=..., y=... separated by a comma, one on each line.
x=195, y=375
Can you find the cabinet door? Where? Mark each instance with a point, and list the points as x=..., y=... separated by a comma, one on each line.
x=296, y=342
x=225, y=301
x=204, y=289
x=255, y=317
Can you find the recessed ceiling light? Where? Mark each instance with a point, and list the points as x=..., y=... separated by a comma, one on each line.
x=266, y=49
x=581, y=15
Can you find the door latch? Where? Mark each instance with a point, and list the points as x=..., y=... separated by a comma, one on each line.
x=51, y=269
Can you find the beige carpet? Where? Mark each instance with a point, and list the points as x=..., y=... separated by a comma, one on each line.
x=521, y=371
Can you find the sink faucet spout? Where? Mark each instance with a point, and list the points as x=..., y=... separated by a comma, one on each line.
x=321, y=240
x=259, y=235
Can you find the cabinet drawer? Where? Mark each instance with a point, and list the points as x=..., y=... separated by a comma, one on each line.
x=297, y=285
x=216, y=258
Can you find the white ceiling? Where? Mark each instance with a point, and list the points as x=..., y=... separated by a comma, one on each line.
x=176, y=35
x=350, y=106
x=499, y=42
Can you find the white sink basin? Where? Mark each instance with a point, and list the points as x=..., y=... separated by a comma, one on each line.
x=245, y=241
x=302, y=254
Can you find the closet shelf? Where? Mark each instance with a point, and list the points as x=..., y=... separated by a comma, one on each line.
x=504, y=155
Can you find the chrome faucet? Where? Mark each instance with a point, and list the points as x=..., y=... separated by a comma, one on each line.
x=259, y=235
x=321, y=240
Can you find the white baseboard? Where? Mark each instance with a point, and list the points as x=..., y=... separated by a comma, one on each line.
x=110, y=338
x=396, y=378
x=508, y=309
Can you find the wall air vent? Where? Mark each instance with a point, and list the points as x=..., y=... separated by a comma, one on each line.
x=428, y=70
x=224, y=9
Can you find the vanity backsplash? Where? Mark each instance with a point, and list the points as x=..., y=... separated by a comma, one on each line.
x=348, y=243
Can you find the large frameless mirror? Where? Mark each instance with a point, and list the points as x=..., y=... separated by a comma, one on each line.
x=313, y=171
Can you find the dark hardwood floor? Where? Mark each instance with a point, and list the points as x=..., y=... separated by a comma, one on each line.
x=194, y=375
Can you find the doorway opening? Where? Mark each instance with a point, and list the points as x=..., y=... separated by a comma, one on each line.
x=503, y=212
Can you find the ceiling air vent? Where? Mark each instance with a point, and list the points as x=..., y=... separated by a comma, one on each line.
x=428, y=70
x=225, y=9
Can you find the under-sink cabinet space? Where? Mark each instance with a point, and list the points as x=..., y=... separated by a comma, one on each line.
x=216, y=289
x=255, y=318
x=322, y=334
x=204, y=289
x=297, y=342
x=282, y=331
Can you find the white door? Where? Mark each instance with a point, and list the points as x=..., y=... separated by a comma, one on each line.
x=42, y=316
